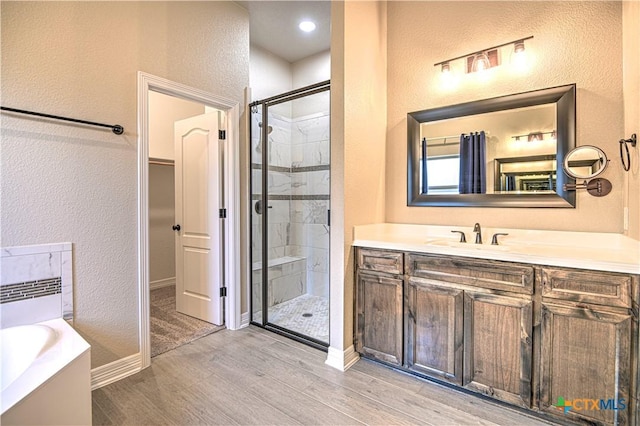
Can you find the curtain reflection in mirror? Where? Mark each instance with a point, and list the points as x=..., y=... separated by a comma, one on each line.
x=473, y=176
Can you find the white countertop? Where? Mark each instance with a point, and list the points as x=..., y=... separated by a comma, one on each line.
x=583, y=250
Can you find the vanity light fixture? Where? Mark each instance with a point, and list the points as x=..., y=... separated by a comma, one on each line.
x=536, y=136
x=485, y=58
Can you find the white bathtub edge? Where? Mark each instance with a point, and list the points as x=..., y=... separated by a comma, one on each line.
x=68, y=347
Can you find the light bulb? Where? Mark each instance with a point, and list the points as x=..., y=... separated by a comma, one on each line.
x=519, y=56
x=307, y=26
x=448, y=78
x=480, y=63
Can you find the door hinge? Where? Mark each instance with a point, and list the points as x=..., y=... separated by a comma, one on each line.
x=223, y=292
x=223, y=213
x=222, y=134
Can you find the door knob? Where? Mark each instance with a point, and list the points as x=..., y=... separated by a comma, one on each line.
x=176, y=227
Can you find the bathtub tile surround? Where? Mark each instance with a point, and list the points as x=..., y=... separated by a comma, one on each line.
x=36, y=284
x=30, y=290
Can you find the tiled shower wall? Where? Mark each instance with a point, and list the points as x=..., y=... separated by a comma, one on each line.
x=299, y=189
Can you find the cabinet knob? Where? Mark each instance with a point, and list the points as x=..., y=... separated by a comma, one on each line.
x=176, y=227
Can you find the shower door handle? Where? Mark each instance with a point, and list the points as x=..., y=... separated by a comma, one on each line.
x=258, y=207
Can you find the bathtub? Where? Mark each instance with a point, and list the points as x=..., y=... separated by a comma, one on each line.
x=45, y=376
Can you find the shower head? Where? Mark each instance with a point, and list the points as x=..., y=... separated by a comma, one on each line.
x=269, y=129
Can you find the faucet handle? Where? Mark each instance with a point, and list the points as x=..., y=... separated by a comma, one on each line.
x=463, y=238
x=494, y=240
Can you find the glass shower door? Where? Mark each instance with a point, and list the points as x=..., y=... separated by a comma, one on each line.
x=290, y=199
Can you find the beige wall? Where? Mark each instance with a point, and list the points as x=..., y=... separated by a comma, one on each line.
x=358, y=135
x=165, y=110
x=312, y=69
x=162, y=251
x=270, y=74
x=69, y=183
x=631, y=79
x=574, y=42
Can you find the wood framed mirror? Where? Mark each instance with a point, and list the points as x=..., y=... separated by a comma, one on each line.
x=525, y=138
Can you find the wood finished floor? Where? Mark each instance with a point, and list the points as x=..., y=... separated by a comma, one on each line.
x=254, y=377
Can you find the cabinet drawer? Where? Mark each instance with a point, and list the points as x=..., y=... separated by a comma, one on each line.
x=508, y=276
x=600, y=288
x=381, y=261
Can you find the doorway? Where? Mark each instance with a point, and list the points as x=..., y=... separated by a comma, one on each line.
x=227, y=120
x=290, y=213
x=184, y=237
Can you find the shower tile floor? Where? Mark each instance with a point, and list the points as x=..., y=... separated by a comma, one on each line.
x=293, y=315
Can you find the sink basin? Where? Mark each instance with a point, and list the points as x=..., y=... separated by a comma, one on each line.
x=466, y=246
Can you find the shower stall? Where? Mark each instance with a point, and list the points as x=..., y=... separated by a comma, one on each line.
x=290, y=172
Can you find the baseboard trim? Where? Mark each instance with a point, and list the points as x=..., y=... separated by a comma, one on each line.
x=342, y=360
x=165, y=282
x=245, y=320
x=114, y=371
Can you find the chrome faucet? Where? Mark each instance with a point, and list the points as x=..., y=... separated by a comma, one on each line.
x=476, y=229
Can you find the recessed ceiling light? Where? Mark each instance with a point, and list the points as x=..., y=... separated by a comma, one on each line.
x=307, y=26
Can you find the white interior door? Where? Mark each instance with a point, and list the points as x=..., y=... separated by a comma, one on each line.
x=199, y=242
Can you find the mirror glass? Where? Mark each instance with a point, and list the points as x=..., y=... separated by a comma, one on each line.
x=585, y=162
x=519, y=151
x=495, y=152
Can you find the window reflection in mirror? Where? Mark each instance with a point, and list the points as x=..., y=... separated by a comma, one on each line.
x=520, y=151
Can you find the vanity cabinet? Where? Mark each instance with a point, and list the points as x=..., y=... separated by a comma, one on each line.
x=379, y=304
x=469, y=322
x=498, y=346
x=588, y=345
x=434, y=329
x=532, y=336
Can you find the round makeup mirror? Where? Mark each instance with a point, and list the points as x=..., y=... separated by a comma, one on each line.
x=585, y=162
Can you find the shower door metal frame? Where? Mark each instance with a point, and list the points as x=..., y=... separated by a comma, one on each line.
x=264, y=172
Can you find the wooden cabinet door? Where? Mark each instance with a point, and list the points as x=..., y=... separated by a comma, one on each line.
x=379, y=317
x=586, y=357
x=498, y=346
x=433, y=323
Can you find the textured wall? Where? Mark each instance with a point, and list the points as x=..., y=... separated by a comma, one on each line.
x=631, y=77
x=70, y=183
x=358, y=134
x=574, y=42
